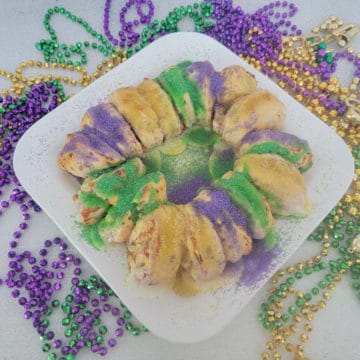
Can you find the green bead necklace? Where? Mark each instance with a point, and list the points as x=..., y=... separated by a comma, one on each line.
x=55, y=52
x=73, y=321
x=339, y=235
x=199, y=13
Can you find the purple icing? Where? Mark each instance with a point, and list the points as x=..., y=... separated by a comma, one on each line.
x=106, y=119
x=217, y=85
x=95, y=134
x=81, y=141
x=272, y=135
x=187, y=190
x=257, y=264
x=219, y=209
x=73, y=143
x=92, y=141
x=202, y=71
x=225, y=156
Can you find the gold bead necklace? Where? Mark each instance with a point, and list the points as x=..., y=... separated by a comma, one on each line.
x=294, y=72
x=20, y=82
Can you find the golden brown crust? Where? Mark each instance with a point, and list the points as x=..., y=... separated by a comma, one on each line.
x=155, y=246
x=139, y=114
x=237, y=83
x=259, y=110
x=278, y=177
x=160, y=102
x=205, y=256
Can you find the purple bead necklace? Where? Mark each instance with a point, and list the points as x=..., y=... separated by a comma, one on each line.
x=258, y=34
x=35, y=280
x=18, y=114
x=127, y=36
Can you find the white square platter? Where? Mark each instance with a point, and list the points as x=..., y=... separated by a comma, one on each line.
x=165, y=314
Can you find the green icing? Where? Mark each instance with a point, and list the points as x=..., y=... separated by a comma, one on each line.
x=183, y=65
x=271, y=239
x=172, y=81
x=189, y=159
x=221, y=160
x=152, y=160
x=109, y=184
x=91, y=234
x=111, y=222
x=129, y=203
x=306, y=167
x=245, y=195
x=148, y=207
x=192, y=161
x=274, y=202
x=152, y=202
x=181, y=88
x=196, y=97
x=128, y=199
x=93, y=174
x=133, y=168
x=271, y=147
x=190, y=164
x=200, y=137
x=90, y=200
x=96, y=173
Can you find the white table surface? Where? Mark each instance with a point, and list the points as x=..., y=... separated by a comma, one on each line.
x=336, y=329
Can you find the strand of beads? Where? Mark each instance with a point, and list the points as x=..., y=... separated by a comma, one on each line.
x=128, y=37
x=300, y=72
x=107, y=65
x=199, y=13
x=305, y=69
x=18, y=114
x=62, y=53
x=257, y=35
x=43, y=279
x=337, y=234
x=37, y=282
x=306, y=72
x=20, y=82
x=353, y=89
